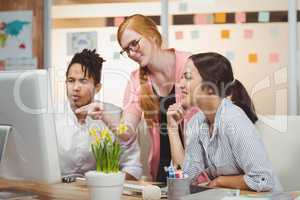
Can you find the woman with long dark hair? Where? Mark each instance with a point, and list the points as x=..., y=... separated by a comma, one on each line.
x=223, y=147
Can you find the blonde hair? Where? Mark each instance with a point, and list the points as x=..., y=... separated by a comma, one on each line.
x=142, y=25
x=146, y=27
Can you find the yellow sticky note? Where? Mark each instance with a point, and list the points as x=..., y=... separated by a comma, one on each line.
x=220, y=17
x=252, y=58
x=225, y=34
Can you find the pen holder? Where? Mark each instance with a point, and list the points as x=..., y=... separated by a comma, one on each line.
x=178, y=187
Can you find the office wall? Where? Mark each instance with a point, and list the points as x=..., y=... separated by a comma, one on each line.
x=258, y=51
x=37, y=23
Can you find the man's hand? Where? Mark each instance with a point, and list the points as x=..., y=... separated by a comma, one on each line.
x=94, y=110
x=111, y=116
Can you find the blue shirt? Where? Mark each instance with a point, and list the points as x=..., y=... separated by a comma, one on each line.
x=233, y=148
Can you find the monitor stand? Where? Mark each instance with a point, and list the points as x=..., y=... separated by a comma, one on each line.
x=4, y=131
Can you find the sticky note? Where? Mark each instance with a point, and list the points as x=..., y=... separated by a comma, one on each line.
x=252, y=58
x=220, y=18
x=264, y=16
x=225, y=34
x=230, y=55
x=113, y=37
x=274, y=57
x=116, y=55
x=201, y=19
x=183, y=7
x=240, y=17
x=248, y=33
x=195, y=34
x=210, y=18
x=179, y=35
x=118, y=20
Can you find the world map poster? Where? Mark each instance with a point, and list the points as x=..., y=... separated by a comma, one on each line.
x=15, y=34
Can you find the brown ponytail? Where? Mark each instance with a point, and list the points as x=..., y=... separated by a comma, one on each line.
x=149, y=101
x=241, y=98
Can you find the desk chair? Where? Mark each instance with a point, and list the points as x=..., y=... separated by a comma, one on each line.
x=281, y=135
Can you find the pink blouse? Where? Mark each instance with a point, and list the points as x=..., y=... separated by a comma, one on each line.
x=131, y=104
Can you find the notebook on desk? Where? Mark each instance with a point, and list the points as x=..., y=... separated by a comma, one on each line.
x=232, y=194
x=208, y=194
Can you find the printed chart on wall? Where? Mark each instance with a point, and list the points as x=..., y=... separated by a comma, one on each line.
x=77, y=41
x=15, y=34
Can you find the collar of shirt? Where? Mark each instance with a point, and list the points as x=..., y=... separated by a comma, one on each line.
x=71, y=117
x=217, y=123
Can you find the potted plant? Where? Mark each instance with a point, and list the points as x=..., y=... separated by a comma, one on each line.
x=106, y=182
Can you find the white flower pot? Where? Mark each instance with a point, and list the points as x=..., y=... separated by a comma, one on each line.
x=104, y=186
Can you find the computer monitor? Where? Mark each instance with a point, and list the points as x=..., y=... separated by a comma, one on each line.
x=31, y=149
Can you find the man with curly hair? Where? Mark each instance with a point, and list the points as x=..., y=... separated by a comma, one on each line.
x=83, y=78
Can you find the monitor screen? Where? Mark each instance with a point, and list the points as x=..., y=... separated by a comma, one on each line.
x=31, y=148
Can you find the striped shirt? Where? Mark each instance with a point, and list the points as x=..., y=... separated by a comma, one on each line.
x=234, y=148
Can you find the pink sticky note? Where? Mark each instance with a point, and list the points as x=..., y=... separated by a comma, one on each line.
x=200, y=19
x=179, y=35
x=240, y=17
x=274, y=57
x=118, y=20
x=248, y=33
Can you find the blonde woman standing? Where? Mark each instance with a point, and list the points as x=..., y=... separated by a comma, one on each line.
x=152, y=87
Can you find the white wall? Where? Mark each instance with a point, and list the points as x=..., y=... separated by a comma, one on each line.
x=175, y=7
x=281, y=138
x=265, y=81
x=115, y=73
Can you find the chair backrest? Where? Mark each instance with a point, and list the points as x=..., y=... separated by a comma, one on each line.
x=4, y=131
x=281, y=135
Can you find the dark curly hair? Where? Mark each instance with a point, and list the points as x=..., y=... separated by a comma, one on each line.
x=91, y=64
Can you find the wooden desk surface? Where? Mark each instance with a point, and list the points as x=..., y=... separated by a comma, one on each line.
x=63, y=191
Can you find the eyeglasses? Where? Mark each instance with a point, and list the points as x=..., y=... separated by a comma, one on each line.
x=132, y=46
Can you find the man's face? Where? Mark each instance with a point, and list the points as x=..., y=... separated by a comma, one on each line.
x=80, y=89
